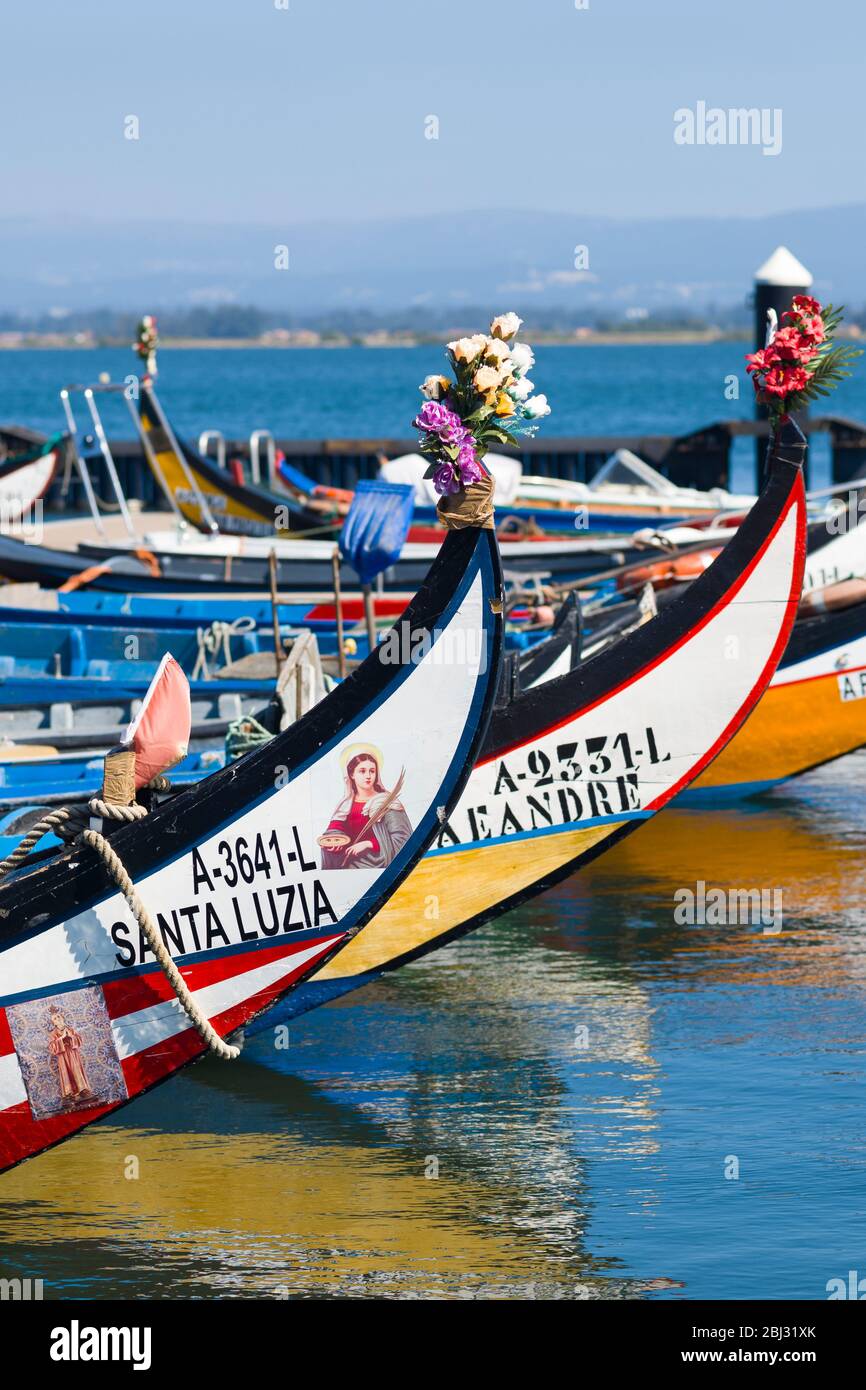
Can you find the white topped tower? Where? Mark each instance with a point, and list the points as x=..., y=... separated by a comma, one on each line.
x=783, y=268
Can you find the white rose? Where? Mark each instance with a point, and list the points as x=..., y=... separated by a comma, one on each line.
x=467, y=349
x=433, y=387
x=536, y=407
x=488, y=378
x=522, y=357
x=496, y=351
x=522, y=389
x=505, y=326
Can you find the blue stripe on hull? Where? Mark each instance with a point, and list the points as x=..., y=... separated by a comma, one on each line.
x=702, y=797
x=309, y=995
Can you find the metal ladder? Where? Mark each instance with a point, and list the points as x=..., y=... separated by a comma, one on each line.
x=90, y=392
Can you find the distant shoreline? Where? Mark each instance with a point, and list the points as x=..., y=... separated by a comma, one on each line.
x=50, y=343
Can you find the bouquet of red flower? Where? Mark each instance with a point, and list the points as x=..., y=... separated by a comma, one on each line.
x=800, y=362
x=146, y=343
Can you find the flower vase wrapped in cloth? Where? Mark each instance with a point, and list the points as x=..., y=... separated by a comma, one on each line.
x=800, y=362
x=489, y=401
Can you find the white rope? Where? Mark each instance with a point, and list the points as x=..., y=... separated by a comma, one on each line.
x=210, y=639
x=69, y=818
x=54, y=821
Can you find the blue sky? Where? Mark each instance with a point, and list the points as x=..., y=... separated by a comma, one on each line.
x=253, y=113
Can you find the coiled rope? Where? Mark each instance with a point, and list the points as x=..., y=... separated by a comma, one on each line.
x=68, y=823
x=210, y=639
x=245, y=734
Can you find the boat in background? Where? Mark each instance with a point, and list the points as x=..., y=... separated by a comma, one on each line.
x=30, y=603
x=625, y=495
x=813, y=712
x=182, y=561
x=209, y=498
x=26, y=475
x=68, y=714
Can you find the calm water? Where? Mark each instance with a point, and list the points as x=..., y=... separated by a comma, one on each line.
x=563, y=1170
x=358, y=392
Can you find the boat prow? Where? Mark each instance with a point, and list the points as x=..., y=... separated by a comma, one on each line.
x=208, y=496
x=247, y=876
x=574, y=765
x=26, y=477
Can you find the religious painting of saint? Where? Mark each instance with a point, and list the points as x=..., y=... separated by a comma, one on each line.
x=369, y=826
x=66, y=1051
x=64, y=1045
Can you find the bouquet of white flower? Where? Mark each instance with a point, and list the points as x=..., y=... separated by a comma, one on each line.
x=490, y=401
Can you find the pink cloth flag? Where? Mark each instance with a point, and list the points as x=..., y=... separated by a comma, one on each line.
x=160, y=731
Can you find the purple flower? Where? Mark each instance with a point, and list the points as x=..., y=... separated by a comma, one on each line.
x=444, y=480
x=434, y=417
x=455, y=432
x=469, y=464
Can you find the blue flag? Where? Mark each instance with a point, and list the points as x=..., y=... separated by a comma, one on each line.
x=375, y=529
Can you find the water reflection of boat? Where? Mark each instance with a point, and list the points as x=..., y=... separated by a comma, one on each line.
x=809, y=849
x=332, y=1146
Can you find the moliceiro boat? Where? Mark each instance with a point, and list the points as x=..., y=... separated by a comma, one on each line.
x=244, y=883
x=570, y=768
x=208, y=497
x=813, y=712
x=25, y=477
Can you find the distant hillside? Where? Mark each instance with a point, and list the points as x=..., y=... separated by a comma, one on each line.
x=514, y=260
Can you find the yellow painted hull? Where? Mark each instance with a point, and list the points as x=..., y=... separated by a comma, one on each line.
x=446, y=891
x=795, y=727
x=229, y=512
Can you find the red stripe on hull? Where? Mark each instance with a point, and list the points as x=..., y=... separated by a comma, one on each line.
x=21, y=1135
x=127, y=995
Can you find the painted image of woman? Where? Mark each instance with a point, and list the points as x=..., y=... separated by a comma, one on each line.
x=369, y=826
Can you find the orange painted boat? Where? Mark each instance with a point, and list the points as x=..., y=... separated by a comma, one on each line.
x=813, y=712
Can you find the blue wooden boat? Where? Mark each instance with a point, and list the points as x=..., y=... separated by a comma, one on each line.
x=66, y=648
x=73, y=778
x=122, y=654
x=143, y=610
x=75, y=712
x=71, y=714
x=17, y=691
